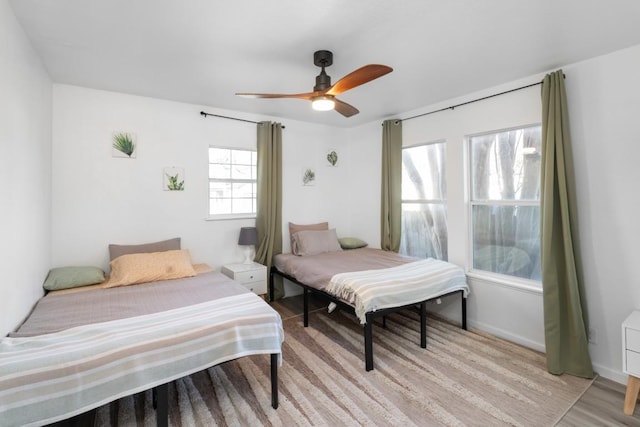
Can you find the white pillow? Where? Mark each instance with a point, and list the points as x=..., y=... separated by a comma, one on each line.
x=311, y=242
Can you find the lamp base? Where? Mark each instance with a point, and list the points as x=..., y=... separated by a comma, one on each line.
x=248, y=255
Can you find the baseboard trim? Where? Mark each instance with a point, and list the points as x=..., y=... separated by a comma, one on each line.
x=611, y=374
x=501, y=333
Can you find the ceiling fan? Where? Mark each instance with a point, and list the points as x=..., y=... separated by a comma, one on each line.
x=323, y=97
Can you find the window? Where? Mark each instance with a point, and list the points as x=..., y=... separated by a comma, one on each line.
x=505, y=202
x=232, y=182
x=424, y=193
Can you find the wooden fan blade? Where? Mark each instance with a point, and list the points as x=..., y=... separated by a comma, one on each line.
x=308, y=95
x=345, y=109
x=358, y=77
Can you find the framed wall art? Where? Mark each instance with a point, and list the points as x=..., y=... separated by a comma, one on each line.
x=124, y=144
x=173, y=178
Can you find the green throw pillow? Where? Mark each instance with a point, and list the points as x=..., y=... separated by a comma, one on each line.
x=351, y=243
x=72, y=277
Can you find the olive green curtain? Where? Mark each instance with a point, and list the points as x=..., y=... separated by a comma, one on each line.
x=565, y=317
x=269, y=209
x=391, y=197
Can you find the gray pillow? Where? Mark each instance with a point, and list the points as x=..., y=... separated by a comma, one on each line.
x=165, y=245
x=72, y=277
x=294, y=228
x=310, y=242
x=351, y=243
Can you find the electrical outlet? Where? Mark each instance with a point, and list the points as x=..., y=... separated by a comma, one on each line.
x=592, y=336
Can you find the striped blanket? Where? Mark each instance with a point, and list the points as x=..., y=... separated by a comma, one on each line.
x=51, y=377
x=405, y=284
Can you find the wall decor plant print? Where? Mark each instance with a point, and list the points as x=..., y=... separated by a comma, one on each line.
x=123, y=144
x=173, y=179
x=308, y=177
x=332, y=157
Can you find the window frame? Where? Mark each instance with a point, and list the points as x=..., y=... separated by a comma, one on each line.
x=498, y=278
x=442, y=202
x=228, y=216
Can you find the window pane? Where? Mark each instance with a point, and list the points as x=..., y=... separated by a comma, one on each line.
x=423, y=172
x=243, y=190
x=242, y=172
x=219, y=206
x=506, y=165
x=506, y=240
x=241, y=206
x=219, y=171
x=241, y=157
x=219, y=155
x=219, y=190
x=424, y=230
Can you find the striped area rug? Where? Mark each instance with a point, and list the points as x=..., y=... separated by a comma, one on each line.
x=462, y=378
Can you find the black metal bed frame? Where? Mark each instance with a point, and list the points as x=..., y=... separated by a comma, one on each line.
x=161, y=395
x=370, y=316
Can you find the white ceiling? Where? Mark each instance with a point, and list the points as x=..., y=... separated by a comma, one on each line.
x=203, y=51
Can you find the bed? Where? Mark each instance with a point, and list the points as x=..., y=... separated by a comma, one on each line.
x=371, y=283
x=79, y=350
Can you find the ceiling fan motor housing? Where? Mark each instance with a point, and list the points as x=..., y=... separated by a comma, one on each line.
x=322, y=58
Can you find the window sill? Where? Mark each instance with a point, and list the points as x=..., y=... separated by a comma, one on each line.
x=530, y=286
x=229, y=217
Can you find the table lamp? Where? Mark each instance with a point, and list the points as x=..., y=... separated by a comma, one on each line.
x=248, y=238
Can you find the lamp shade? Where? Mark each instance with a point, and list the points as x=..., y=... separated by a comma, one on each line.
x=248, y=236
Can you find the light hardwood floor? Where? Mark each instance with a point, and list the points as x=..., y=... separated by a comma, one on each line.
x=601, y=405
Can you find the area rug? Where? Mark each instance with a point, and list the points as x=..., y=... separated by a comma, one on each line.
x=461, y=378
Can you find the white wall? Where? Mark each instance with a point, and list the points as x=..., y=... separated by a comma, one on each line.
x=604, y=103
x=604, y=107
x=25, y=172
x=99, y=199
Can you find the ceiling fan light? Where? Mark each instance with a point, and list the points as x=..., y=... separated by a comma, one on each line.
x=323, y=103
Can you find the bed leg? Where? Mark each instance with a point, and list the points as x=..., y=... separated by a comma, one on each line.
x=306, y=306
x=274, y=380
x=423, y=324
x=162, y=411
x=384, y=322
x=368, y=344
x=271, y=290
x=464, y=311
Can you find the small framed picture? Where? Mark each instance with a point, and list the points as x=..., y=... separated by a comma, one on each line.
x=332, y=157
x=124, y=144
x=173, y=178
x=308, y=177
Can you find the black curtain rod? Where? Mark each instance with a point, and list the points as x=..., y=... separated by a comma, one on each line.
x=203, y=114
x=471, y=102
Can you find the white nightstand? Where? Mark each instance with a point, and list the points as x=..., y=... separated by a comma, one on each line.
x=252, y=276
x=631, y=359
